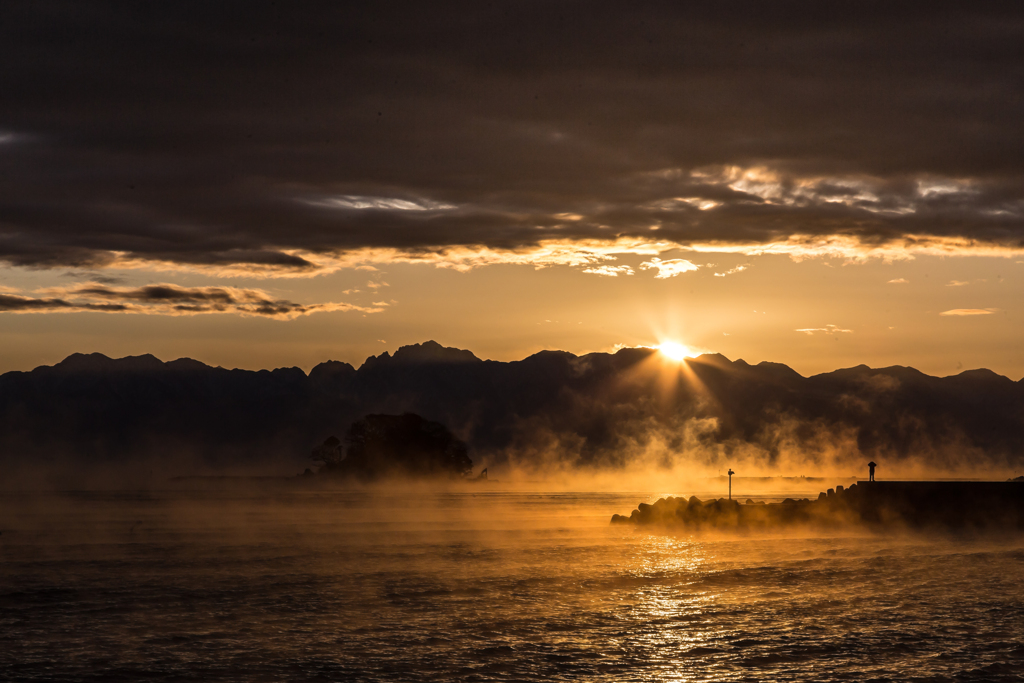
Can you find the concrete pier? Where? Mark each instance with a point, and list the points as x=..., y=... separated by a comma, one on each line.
x=939, y=503
x=878, y=505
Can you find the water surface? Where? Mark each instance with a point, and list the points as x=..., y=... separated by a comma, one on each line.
x=479, y=585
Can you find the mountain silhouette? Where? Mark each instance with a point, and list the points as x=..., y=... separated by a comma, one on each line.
x=595, y=410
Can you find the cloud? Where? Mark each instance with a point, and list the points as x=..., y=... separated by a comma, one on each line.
x=957, y=283
x=731, y=271
x=901, y=248
x=435, y=138
x=610, y=271
x=899, y=281
x=581, y=254
x=669, y=268
x=969, y=311
x=387, y=203
x=166, y=299
x=828, y=329
x=20, y=304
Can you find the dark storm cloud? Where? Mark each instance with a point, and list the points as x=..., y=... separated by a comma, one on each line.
x=259, y=137
x=167, y=299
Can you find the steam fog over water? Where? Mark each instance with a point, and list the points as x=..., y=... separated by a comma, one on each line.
x=480, y=584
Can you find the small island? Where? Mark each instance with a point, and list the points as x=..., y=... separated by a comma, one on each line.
x=406, y=446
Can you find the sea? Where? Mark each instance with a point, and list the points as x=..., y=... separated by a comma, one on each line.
x=484, y=583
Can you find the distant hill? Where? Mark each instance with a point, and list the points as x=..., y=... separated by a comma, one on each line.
x=553, y=408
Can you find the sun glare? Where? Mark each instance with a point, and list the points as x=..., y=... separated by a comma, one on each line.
x=675, y=351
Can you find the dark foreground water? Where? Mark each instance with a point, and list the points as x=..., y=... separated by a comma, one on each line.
x=478, y=586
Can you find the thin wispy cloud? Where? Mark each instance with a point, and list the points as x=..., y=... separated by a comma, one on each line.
x=969, y=311
x=167, y=299
x=731, y=271
x=609, y=271
x=669, y=268
x=385, y=203
x=899, y=281
x=22, y=304
x=827, y=329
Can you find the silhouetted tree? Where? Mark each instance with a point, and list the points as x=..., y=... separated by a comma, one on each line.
x=330, y=453
x=385, y=445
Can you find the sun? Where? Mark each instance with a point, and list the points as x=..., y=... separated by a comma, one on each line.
x=675, y=351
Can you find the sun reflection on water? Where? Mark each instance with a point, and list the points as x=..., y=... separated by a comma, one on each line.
x=674, y=607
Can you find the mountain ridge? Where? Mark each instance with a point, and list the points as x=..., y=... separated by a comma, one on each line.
x=552, y=407
x=413, y=353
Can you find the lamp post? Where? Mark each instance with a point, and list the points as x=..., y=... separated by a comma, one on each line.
x=730, y=483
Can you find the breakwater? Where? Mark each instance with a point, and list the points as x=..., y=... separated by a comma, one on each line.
x=871, y=504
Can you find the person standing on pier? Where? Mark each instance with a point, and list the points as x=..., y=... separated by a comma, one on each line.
x=871, y=471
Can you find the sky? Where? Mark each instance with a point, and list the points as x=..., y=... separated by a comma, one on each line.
x=264, y=185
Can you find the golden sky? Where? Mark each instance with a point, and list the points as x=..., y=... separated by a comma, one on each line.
x=941, y=315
